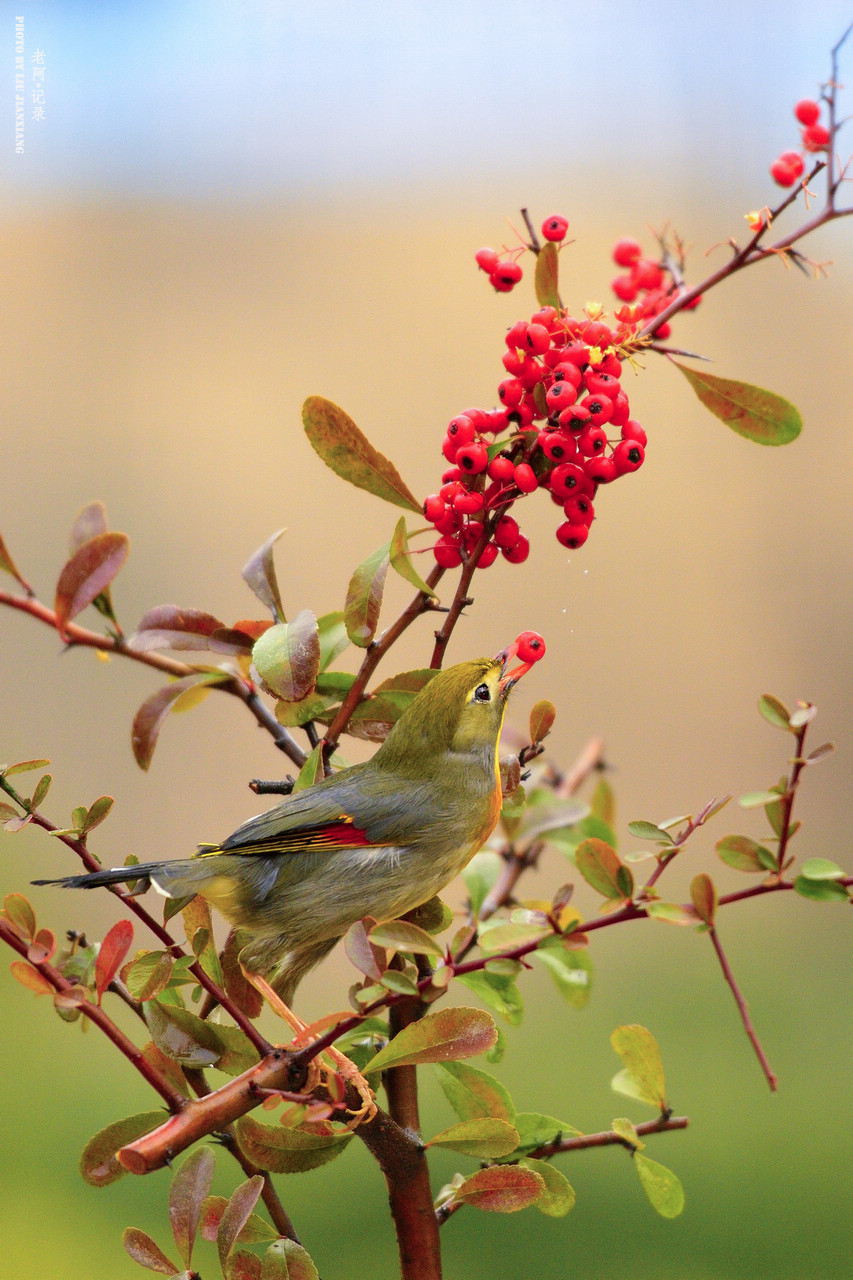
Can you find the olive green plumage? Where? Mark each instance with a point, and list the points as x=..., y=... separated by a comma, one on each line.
x=377, y=839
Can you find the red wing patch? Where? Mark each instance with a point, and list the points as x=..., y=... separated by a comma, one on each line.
x=343, y=834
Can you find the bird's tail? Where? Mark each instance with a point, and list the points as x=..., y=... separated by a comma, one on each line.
x=174, y=879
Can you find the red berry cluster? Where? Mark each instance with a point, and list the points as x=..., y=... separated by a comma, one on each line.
x=646, y=283
x=504, y=274
x=789, y=167
x=564, y=425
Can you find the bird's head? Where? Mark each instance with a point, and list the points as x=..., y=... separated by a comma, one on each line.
x=459, y=712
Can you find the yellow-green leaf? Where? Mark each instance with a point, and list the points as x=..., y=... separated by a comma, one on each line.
x=364, y=596
x=642, y=1077
x=287, y=657
x=759, y=415
x=288, y=1150
x=98, y=1165
x=501, y=1188
x=546, y=278
x=401, y=559
x=558, y=1197
x=660, y=1184
x=347, y=451
x=439, y=1037
x=485, y=1137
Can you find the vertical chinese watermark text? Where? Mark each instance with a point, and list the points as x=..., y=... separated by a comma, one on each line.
x=19, y=86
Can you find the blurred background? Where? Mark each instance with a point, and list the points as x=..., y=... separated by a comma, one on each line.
x=229, y=207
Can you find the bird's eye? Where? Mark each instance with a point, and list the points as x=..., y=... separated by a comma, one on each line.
x=482, y=693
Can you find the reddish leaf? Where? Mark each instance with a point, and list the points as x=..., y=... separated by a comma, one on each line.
x=287, y=657
x=348, y=452
x=31, y=978
x=147, y=1252
x=546, y=278
x=42, y=946
x=97, y=812
x=228, y=640
x=113, y=949
x=19, y=912
x=760, y=415
x=148, y=975
x=366, y=957
x=600, y=866
x=287, y=1150
x=168, y=627
x=244, y=995
x=473, y=1093
x=89, y=522
x=703, y=895
x=243, y=1265
x=166, y=1067
x=259, y=573
x=7, y=564
x=92, y=568
x=255, y=1231
x=439, y=1037
x=148, y=720
x=25, y=766
x=187, y=1194
x=235, y=1215
x=541, y=719
x=401, y=935
x=254, y=630
x=98, y=1165
x=364, y=597
x=502, y=1188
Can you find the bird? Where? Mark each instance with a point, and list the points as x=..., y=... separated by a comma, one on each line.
x=376, y=839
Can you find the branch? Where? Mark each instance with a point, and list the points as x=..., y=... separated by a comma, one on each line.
x=744, y=1011
x=175, y=1101
x=234, y=684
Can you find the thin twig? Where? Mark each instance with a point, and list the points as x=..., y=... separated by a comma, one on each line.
x=744, y=1011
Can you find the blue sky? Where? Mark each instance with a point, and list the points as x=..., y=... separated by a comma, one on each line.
x=242, y=101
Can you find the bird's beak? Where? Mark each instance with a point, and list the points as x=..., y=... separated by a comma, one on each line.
x=510, y=678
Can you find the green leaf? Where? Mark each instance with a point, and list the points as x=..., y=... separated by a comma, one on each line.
x=182, y=1035
x=287, y=1260
x=649, y=831
x=473, y=1093
x=546, y=278
x=39, y=794
x=287, y=657
x=505, y=936
x=364, y=596
x=148, y=975
x=287, y=1150
x=821, y=869
x=480, y=876
x=485, y=1137
x=670, y=913
x=401, y=559
x=98, y=1165
x=600, y=866
x=439, y=1037
x=703, y=895
x=24, y=766
x=91, y=568
x=187, y=1194
x=821, y=890
x=501, y=1188
x=759, y=415
x=400, y=935
x=642, y=1077
x=558, y=1197
x=499, y=993
x=333, y=637
x=259, y=574
x=542, y=717
x=663, y=1188
x=536, y=1130
x=312, y=771
x=774, y=711
x=603, y=804
x=627, y=1132
x=97, y=812
x=348, y=452
x=744, y=854
x=147, y=1252
x=571, y=971
x=757, y=799
x=149, y=719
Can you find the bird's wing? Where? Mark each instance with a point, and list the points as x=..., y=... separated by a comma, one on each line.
x=320, y=818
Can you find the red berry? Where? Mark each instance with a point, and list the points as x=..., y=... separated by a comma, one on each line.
x=448, y=448
x=815, y=137
x=468, y=503
x=621, y=410
x=597, y=334
x=626, y=252
x=628, y=456
x=448, y=491
x=530, y=646
x=486, y=260
x=510, y=392
x=572, y=535
x=574, y=418
x=557, y=446
x=488, y=556
x=560, y=395
x=592, y=441
x=782, y=174
x=461, y=429
x=507, y=533
x=647, y=274
x=567, y=479
x=601, y=470
x=518, y=553
x=600, y=383
x=517, y=334
x=555, y=227
x=449, y=522
x=537, y=339
x=452, y=473
x=576, y=353
x=624, y=288
x=795, y=160
x=525, y=478
x=433, y=507
x=807, y=111
x=505, y=276
x=579, y=509
x=663, y=331
x=472, y=458
x=600, y=409
x=568, y=372
x=523, y=414
x=447, y=553
x=633, y=431
x=501, y=468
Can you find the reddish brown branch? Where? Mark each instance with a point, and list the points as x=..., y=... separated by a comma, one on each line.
x=744, y=1011
x=233, y=684
x=174, y=1100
